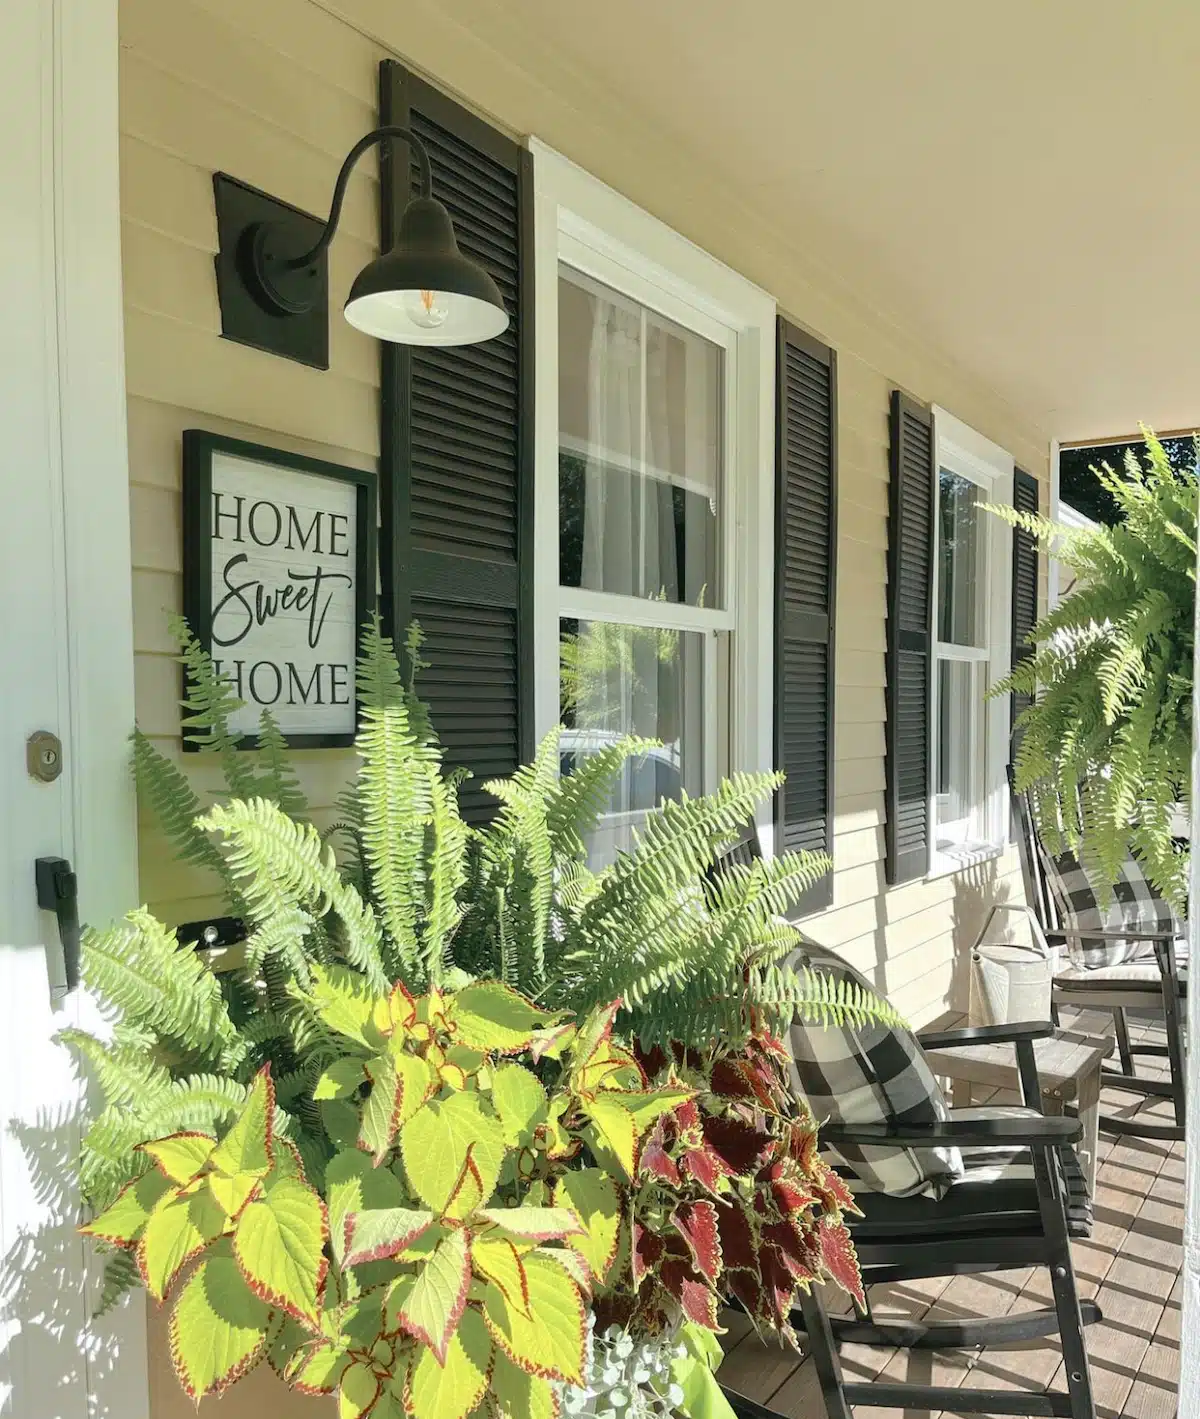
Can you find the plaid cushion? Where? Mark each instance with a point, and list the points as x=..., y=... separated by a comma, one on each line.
x=1134, y=904
x=871, y=1073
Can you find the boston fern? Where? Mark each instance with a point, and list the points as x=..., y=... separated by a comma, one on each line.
x=1106, y=745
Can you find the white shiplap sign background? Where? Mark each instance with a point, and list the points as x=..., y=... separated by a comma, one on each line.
x=284, y=567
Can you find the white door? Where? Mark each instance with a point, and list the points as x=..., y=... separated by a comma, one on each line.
x=66, y=666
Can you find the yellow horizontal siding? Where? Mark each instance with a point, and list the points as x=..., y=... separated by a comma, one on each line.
x=275, y=93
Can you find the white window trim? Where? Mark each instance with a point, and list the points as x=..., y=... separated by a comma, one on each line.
x=963, y=449
x=582, y=221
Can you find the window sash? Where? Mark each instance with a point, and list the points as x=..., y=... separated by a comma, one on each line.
x=983, y=832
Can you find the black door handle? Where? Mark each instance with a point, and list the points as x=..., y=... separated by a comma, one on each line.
x=57, y=892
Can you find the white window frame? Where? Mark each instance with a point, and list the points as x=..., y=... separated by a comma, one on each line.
x=963, y=450
x=584, y=224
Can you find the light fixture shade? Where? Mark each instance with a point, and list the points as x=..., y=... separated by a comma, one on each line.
x=425, y=291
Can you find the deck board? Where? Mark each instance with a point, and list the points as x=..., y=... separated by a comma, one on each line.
x=1130, y=1265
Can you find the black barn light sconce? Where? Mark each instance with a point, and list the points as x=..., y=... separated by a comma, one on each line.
x=273, y=282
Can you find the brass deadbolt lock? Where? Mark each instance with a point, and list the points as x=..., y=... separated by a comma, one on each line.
x=44, y=756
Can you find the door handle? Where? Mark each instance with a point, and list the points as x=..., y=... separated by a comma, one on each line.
x=57, y=892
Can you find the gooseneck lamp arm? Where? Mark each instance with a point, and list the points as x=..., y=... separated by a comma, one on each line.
x=379, y=135
x=424, y=291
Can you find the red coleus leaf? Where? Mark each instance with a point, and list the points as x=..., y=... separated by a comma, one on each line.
x=646, y=1252
x=748, y=1288
x=834, y=1191
x=778, y=1283
x=704, y=1165
x=739, y=1146
x=795, y=1247
x=653, y=1060
x=695, y=1296
x=787, y=1188
x=839, y=1257
x=656, y=1160
x=737, y=1238
x=730, y=1080
x=696, y=1223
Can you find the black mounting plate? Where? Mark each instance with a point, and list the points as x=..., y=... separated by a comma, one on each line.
x=303, y=337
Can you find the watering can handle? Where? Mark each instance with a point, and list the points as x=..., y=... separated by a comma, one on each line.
x=1035, y=926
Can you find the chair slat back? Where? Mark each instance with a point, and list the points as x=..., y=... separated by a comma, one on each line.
x=1037, y=889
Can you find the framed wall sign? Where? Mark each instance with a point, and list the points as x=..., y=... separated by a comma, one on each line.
x=278, y=578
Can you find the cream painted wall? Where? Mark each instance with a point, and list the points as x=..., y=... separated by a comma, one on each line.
x=275, y=93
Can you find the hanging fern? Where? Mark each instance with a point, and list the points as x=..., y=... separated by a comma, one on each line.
x=1105, y=748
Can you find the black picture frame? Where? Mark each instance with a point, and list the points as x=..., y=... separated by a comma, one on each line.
x=199, y=446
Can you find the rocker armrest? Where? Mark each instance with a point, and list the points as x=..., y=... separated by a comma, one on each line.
x=1112, y=933
x=986, y=1034
x=1035, y=1131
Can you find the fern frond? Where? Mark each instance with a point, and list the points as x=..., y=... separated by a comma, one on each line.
x=208, y=704
x=277, y=778
x=138, y=967
x=282, y=864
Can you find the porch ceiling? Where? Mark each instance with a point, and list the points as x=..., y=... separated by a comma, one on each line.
x=1017, y=182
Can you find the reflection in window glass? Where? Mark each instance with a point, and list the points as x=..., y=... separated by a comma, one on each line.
x=959, y=709
x=960, y=561
x=617, y=680
x=639, y=449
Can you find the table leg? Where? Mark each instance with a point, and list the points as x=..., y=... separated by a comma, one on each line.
x=961, y=1093
x=1089, y=1117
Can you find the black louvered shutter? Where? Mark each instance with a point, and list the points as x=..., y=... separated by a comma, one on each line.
x=1024, y=578
x=805, y=561
x=909, y=639
x=456, y=456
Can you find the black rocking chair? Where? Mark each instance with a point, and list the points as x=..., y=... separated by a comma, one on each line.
x=995, y=1223
x=1157, y=986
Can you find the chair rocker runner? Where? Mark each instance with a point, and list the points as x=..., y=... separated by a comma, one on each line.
x=1134, y=964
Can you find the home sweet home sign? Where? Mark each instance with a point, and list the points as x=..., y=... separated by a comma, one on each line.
x=278, y=578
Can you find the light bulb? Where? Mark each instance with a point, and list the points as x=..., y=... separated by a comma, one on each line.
x=427, y=309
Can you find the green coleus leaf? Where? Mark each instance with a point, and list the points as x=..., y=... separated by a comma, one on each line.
x=497, y=1260
x=381, y=1111
x=317, y=1368
x=352, y=1184
x=219, y=1328
x=431, y=1310
x=451, y=1389
x=439, y=1142
x=549, y=1340
x=279, y=1243
x=532, y=1224
x=382, y=1233
x=517, y=1392
x=493, y=1017
x=181, y=1156
x=613, y=1132
x=520, y=1102
x=594, y=1199
x=400, y=1084
x=179, y=1228
x=358, y=1391
x=244, y=1156
x=345, y=1002
x=122, y=1222
x=340, y=1080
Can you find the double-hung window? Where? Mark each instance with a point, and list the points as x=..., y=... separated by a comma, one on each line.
x=971, y=613
x=653, y=491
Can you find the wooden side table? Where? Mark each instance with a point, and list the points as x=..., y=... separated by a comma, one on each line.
x=1068, y=1067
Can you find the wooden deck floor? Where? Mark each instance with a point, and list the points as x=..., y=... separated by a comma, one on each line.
x=1131, y=1266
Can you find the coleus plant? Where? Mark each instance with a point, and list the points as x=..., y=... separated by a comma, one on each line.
x=732, y=1197
x=499, y=1170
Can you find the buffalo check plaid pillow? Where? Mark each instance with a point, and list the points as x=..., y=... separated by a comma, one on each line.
x=868, y=1073
x=1134, y=905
